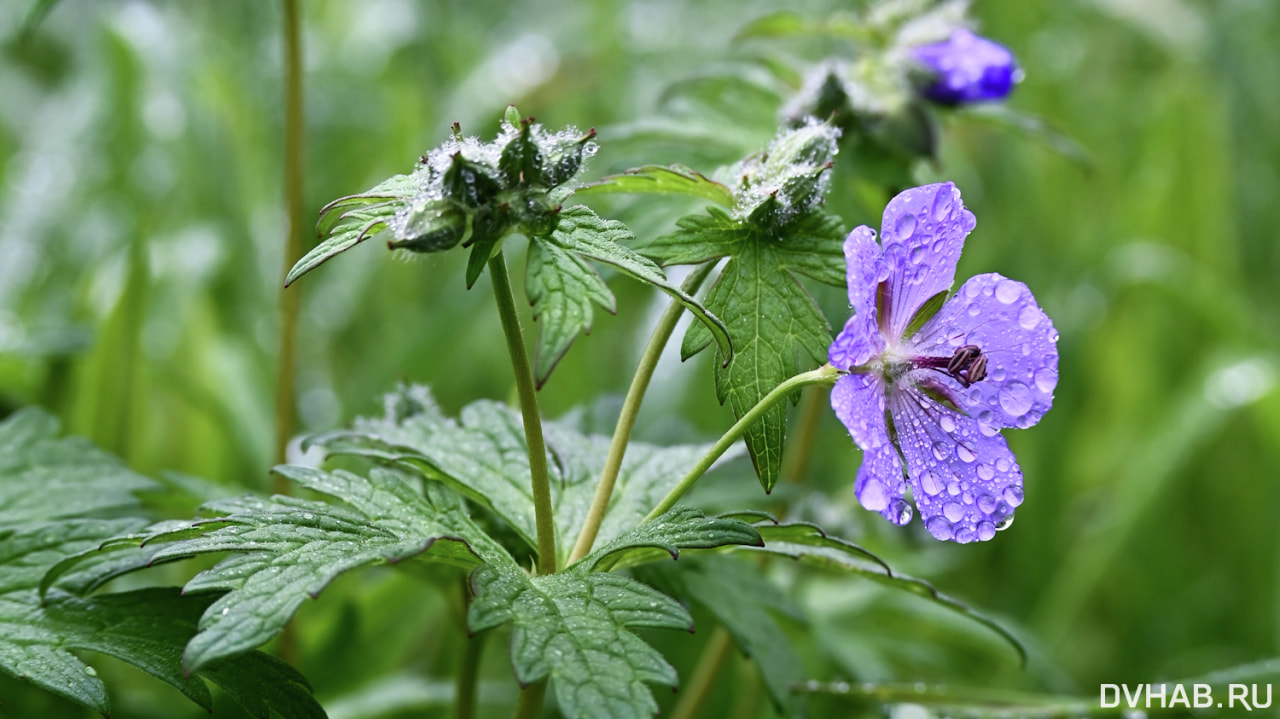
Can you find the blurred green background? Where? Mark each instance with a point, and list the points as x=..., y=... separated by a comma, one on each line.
x=141, y=231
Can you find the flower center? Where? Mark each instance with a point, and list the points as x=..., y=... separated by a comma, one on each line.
x=967, y=364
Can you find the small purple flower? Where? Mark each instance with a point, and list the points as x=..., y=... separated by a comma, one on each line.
x=967, y=68
x=933, y=392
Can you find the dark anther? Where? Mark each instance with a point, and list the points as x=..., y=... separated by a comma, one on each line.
x=968, y=365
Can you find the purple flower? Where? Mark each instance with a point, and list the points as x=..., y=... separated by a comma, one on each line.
x=930, y=384
x=967, y=68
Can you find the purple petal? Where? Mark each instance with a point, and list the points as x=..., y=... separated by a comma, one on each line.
x=860, y=340
x=858, y=400
x=967, y=68
x=1001, y=317
x=922, y=234
x=965, y=480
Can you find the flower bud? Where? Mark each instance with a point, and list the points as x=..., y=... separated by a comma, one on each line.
x=966, y=68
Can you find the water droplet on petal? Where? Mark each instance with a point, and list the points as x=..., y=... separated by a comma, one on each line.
x=953, y=488
x=1015, y=398
x=1004, y=523
x=1007, y=291
x=901, y=511
x=942, y=204
x=1002, y=465
x=1013, y=495
x=1029, y=317
x=930, y=483
x=939, y=527
x=974, y=310
x=964, y=536
x=905, y=228
x=986, y=503
x=947, y=424
x=1046, y=379
x=964, y=453
x=954, y=511
x=986, y=530
x=873, y=496
x=939, y=453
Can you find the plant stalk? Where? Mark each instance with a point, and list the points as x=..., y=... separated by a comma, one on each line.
x=826, y=374
x=529, y=412
x=529, y=705
x=286, y=407
x=631, y=408
x=795, y=465
x=704, y=676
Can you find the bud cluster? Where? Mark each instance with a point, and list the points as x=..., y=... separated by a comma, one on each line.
x=788, y=179
x=468, y=190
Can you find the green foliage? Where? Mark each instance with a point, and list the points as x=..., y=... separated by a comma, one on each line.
x=52, y=488
x=681, y=528
x=746, y=602
x=573, y=627
x=561, y=285
x=659, y=180
x=774, y=323
x=483, y=456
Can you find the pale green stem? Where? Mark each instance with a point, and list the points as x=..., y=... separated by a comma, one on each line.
x=826, y=374
x=529, y=411
x=795, y=464
x=627, y=420
x=529, y=705
x=704, y=675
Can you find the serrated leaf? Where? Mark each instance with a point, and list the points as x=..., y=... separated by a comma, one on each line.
x=809, y=544
x=745, y=602
x=681, y=528
x=350, y=220
x=773, y=322
x=662, y=180
x=573, y=628
x=483, y=456
x=582, y=235
x=289, y=549
x=43, y=476
x=561, y=286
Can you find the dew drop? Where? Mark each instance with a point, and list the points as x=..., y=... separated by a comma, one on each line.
x=1015, y=398
x=986, y=503
x=1029, y=317
x=90, y=671
x=986, y=530
x=1046, y=379
x=1013, y=495
x=947, y=424
x=930, y=483
x=901, y=511
x=939, y=527
x=1007, y=291
x=965, y=454
x=939, y=453
x=1002, y=465
x=966, y=498
x=954, y=511
x=905, y=227
x=873, y=496
x=953, y=488
x=942, y=204
x=1005, y=523
x=974, y=310
x=308, y=515
x=997, y=374
x=965, y=535
x=917, y=254
x=985, y=473
x=226, y=611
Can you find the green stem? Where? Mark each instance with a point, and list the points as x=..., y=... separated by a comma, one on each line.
x=529, y=410
x=286, y=408
x=529, y=705
x=826, y=374
x=469, y=673
x=704, y=676
x=795, y=464
x=630, y=408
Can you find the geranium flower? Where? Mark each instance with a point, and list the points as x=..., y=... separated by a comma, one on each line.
x=932, y=380
x=967, y=68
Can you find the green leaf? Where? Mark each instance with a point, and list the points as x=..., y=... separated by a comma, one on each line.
x=291, y=549
x=573, y=628
x=582, y=235
x=773, y=322
x=807, y=543
x=745, y=602
x=561, y=286
x=681, y=528
x=662, y=180
x=348, y=221
x=43, y=476
x=483, y=456
x=265, y=687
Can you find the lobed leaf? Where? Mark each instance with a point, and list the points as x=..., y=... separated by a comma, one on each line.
x=681, y=528
x=561, y=286
x=348, y=221
x=573, y=629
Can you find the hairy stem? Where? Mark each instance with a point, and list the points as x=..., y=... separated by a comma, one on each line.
x=826, y=374
x=630, y=408
x=529, y=412
x=704, y=676
x=529, y=705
